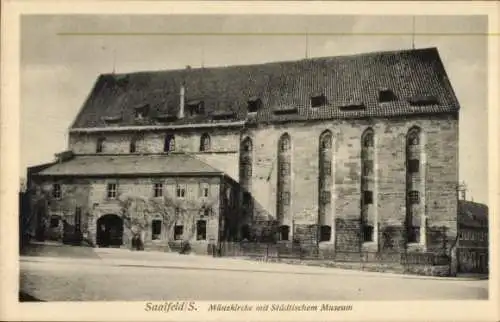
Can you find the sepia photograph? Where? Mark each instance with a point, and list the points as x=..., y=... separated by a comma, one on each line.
x=238, y=158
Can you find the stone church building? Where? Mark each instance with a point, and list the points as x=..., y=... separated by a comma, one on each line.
x=352, y=152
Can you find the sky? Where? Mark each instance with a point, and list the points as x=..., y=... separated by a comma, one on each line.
x=58, y=71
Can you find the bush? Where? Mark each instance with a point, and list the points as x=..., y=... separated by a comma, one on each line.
x=185, y=248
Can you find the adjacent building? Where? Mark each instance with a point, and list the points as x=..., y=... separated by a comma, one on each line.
x=354, y=153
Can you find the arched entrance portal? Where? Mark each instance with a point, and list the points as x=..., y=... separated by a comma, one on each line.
x=109, y=231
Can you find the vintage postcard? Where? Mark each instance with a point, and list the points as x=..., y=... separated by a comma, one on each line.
x=249, y=161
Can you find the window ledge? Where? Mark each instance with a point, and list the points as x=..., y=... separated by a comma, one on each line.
x=415, y=247
x=371, y=245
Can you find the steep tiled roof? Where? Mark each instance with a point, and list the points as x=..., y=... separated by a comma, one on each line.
x=351, y=85
x=136, y=165
x=472, y=214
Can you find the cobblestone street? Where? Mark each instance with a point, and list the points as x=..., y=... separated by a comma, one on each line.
x=125, y=275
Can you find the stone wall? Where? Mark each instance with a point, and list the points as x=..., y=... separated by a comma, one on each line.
x=90, y=196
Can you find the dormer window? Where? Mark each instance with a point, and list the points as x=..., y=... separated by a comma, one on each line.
x=318, y=100
x=195, y=107
x=423, y=100
x=356, y=106
x=254, y=104
x=386, y=95
x=141, y=111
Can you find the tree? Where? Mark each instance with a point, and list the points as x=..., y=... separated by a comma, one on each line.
x=137, y=212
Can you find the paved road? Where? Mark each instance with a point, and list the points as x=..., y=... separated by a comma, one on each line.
x=123, y=275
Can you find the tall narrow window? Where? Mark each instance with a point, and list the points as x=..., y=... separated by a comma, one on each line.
x=284, y=178
x=111, y=191
x=181, y=191
x=284, y=232
x=169, y=144
x=201, y=230
x=158, y=190
x=414, y=208
x=56, y=191
x=156, y=229
x=205, y=142
x=100, y=145
x=133, y=145
x=325, y=185
x=367, y=180
x=246, y=160
x=78, y=219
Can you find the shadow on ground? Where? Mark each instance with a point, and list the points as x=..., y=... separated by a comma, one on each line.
x=24, y=297
x=59, y=251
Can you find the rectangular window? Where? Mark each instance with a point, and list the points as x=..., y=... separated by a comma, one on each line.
x=317, y=101
x=414, y=197
x=178, y=232
x=254, y=104
x=204, y=190
x=367, y=197
x=414, y=234
x=54, y=221
x=78, y=218
x=201, y=230
x=284, y=232
x=325, y=233
x=413, y=166
x=181, y=191
x=111, y=191
x=156, y=229
x=158, y=190
x=367, y=233
x=56, y=191
x=247, y=199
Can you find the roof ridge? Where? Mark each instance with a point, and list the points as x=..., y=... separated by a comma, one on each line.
x=311, y=59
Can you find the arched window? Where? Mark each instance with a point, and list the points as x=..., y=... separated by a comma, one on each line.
x=367, y=179
x=169, y=144
x=368, y=139
x=205, y=142
x=100, y=145
x=414, y=209
x=284, y=178
x=133, y=145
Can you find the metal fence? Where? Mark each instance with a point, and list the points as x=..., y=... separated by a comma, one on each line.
x=270, y=252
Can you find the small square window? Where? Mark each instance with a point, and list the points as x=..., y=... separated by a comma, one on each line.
x=112, y=190
x=178, y=232
x=181, y=191
x=156, y=229
x=254, y=105
x=413, y=166
x=414, y=197
x=158, y=190
x=367, y=197
x=318, y=100
x=201, y=230
x=56, y=191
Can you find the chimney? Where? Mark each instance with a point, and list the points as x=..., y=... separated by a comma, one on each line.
x=181, y=102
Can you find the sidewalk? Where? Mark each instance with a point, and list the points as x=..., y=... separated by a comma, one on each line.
x=152, y=259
